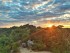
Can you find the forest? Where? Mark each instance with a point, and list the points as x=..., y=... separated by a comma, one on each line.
x=55, y=39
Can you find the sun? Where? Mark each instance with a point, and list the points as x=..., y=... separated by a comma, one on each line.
x=49, y=25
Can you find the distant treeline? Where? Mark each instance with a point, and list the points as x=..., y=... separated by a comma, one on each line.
x=55, y=39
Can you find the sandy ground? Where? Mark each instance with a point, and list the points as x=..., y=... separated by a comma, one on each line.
x=24, y=50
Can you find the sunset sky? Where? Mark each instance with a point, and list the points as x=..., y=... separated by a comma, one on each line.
x=37, y=12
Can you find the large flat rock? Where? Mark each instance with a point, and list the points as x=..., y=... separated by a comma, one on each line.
x=25, y=50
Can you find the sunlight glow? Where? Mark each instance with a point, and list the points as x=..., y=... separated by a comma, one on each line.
x=50, y=25
x=47, y=25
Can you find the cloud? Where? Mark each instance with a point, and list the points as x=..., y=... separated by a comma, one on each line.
x=34, y=11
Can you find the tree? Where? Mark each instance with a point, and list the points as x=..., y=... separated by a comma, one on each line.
x=4, y=44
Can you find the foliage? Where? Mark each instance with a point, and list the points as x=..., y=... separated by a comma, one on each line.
x=55, y=39
x=11, y=38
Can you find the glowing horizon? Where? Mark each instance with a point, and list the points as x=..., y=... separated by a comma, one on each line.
x=43, y=25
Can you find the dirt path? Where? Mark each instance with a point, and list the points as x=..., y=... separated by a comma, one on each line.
x=24, y=50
